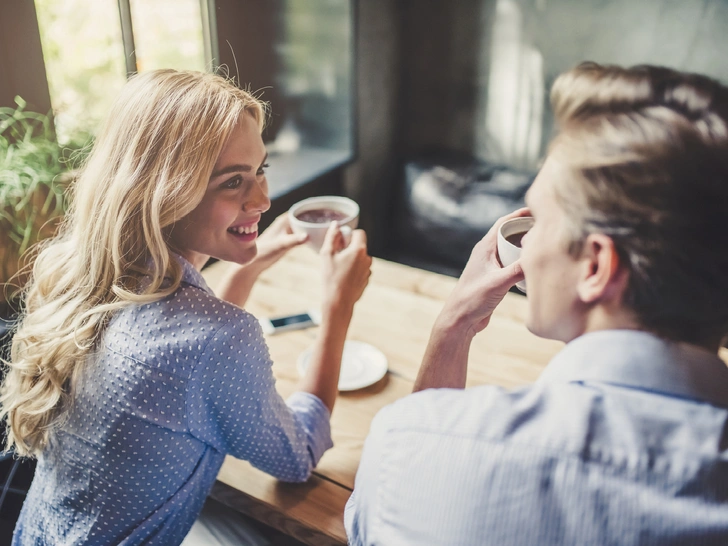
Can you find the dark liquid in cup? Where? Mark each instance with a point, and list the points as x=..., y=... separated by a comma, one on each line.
x=515, y=238
x=321, y=216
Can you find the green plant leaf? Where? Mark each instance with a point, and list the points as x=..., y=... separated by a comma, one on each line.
x=31, y=160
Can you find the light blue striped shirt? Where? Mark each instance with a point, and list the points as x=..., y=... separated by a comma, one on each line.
x=622, y=441
x=174, y=386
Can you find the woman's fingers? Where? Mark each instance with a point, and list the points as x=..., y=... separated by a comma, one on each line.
x=287, y=242
x=280, y=224
x=332, y=243
x=358, y=238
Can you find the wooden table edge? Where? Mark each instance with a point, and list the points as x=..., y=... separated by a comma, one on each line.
x=283, y=519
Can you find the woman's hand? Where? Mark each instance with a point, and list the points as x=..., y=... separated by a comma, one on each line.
x=346, y=269
x=274, y=242
x=483, y=283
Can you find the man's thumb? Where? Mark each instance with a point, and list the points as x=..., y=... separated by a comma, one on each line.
x=510, y=275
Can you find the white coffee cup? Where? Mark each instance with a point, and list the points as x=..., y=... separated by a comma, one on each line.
x=507, y=251
x=347, y=217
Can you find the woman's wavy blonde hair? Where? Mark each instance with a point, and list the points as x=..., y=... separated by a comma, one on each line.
x=648, y=150
x=149, y=167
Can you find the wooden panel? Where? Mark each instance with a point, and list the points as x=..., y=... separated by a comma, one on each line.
x=22, y=68
x=311, y=512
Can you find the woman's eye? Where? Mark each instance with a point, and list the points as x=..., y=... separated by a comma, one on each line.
x=233, y=182
x=262, y=169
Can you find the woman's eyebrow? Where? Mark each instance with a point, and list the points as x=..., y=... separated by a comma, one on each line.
x=237, y=167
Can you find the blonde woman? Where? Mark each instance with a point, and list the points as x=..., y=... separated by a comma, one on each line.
x=128, y=379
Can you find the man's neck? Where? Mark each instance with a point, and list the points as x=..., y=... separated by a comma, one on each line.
x=605, y=318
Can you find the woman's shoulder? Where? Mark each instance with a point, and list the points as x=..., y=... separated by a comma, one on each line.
x=189, y=314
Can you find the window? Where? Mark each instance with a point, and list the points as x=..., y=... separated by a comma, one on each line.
x=84, y=59
x=296, y=54
x=85, y=44
x=312, y=75
x=168, y=34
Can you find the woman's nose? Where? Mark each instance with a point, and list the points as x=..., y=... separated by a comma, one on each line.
x=258, y=200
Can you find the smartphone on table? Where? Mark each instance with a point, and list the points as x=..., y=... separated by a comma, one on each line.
x=286, y=323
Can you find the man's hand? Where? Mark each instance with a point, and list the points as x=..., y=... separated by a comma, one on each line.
x=483, y=283
x=482, y=286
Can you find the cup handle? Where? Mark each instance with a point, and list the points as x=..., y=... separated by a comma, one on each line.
x=346, y=233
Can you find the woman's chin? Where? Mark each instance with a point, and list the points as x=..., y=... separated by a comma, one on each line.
x=243, y=258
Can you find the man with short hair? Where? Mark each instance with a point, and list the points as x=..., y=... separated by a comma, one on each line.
x=624, y=437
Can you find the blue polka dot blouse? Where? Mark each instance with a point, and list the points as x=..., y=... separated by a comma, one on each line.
x=174, y=386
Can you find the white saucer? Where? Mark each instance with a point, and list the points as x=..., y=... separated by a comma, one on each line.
x=361, y=365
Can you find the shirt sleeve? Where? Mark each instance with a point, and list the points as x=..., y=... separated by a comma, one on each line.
x=360, y=510
x=233, y=405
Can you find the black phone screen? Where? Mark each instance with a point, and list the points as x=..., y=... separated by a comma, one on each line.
x=291, y=319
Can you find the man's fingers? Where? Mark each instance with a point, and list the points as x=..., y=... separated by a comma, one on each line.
x=493, y=232
x=509, y=275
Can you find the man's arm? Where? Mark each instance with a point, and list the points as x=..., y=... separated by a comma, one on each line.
x=445, y=364
x=467, y=311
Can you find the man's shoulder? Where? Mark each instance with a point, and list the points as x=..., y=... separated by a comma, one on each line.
x=545, y=415
x=472, y=411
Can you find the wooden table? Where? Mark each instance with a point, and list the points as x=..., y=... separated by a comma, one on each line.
x=395, y=314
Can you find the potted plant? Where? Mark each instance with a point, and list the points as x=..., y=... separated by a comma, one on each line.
x=35, y=171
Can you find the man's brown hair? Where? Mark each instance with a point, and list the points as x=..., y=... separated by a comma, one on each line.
x=649, y=151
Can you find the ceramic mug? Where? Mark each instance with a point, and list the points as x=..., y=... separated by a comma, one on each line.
x=314, y=215
x=509, y=238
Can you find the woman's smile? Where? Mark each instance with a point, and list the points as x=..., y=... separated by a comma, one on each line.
x=244, y=232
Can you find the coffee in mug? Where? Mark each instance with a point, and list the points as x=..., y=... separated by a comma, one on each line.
x=314, y=215
x=321, y=216
x=515, y=238
x=510, y=239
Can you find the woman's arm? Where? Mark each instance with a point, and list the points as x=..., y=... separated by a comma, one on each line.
x=233, y=404
x=346, y=274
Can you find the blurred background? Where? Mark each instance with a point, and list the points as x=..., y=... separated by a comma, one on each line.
x=370, y=96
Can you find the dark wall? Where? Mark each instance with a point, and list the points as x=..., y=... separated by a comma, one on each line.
x=373, y=177
x=442, y=45
x=244, y=29
x=22, y=71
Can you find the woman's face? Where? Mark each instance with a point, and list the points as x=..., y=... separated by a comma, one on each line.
x=225, y=223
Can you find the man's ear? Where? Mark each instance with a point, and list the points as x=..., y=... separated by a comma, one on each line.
x=602, y=276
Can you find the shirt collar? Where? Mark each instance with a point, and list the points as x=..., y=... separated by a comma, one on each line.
x=190, y=275
x=637, y=359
